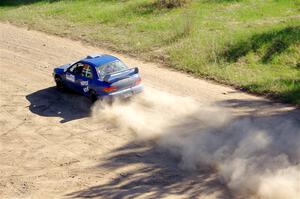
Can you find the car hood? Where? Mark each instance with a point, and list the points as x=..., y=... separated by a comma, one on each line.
x=61, y=69
x=64, y=67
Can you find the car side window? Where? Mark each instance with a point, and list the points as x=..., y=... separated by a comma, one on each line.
x=76, y=68
x=87, y=71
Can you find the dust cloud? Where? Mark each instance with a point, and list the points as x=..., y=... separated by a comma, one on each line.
x=252, y=156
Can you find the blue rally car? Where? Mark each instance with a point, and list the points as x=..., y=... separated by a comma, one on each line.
x=99, y=76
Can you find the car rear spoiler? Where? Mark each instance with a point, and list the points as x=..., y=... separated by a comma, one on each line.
x=120, y=75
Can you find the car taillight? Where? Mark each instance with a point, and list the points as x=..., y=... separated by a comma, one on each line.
x=109, y=89
x=138, y=81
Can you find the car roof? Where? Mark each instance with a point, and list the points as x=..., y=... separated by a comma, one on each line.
x=99, y=60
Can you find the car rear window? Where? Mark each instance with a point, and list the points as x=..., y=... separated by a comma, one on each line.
x=109, y=68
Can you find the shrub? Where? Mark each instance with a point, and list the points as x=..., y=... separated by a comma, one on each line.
x=171, y=3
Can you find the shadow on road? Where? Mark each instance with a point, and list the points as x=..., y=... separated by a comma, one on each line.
x=159, y=176
x=190, y=141
x=50, y=102
x=276, y=110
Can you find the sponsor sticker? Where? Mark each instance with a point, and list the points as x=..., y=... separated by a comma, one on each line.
x=70, y=77
x=84, y=83
x=86, y=89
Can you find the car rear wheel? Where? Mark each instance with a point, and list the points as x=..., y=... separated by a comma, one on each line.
x=92, y=95
x=59, y=83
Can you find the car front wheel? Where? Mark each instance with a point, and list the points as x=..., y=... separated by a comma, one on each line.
x=59, y=83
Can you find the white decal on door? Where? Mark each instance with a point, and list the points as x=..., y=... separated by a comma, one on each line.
x=86, y=89
x=84, y=83
x=70, y=77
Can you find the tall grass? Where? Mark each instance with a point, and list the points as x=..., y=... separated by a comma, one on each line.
x=250, y=44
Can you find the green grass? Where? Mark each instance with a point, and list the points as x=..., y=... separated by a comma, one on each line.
x=251, y=44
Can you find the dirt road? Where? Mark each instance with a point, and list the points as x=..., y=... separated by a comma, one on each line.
x=50, y=146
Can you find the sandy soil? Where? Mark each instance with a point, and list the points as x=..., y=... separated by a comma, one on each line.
x=50, y=147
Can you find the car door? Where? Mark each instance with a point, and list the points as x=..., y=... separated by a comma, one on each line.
x=84, y=79
x=72, y=75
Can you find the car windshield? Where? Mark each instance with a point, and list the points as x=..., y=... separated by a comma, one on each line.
x=109, y=68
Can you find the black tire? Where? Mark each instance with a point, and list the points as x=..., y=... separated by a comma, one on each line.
x=93, y=96
x=59, y=83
